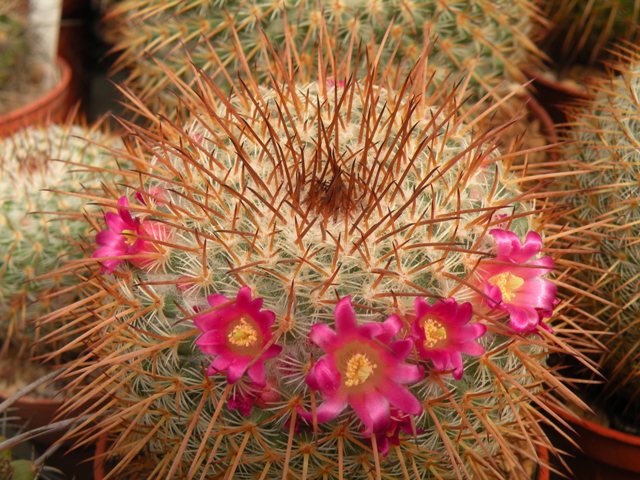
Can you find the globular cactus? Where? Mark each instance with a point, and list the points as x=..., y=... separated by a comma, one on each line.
x=13, y=41
x=583, y=30
x=490, y=38
x=604, y=198
x=260, y=283
x=34, y=164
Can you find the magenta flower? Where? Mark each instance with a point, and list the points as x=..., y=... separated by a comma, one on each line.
x=513, y=281
x=244, y=400
x=399, y=422
x=442, y=333
x=362, y=367
x=236, y=334
x=127, y=239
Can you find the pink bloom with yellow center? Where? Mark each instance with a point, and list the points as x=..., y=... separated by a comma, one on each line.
x=237, y=333
x=127, y=239
x=514, y=280
x=442, y=333
x=362, y=367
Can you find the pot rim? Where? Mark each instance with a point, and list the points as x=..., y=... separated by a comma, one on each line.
x=597, y=428
x=49, y=96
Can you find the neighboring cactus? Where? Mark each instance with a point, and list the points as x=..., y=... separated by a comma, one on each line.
x=584, y=29
x=301, y=197
x=13, y=41
x=606, y=221
x=491, y=38
x=33, y=239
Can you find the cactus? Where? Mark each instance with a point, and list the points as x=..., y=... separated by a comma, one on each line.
x=606, y=225
x=154, y=36
x=13, y=43
x=583, y=30
x=281, y=208
x=34, y=163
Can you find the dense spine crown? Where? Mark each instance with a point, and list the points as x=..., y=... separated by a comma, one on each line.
x=607, y=138
x=276, y=204
x=33, y=240
x=583, y=30
x=490, y=37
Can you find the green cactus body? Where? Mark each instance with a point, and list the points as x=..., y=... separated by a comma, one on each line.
x=583, y=30
x=305, y=194
x=33, y=240
x=489, y=37
x=607, y=135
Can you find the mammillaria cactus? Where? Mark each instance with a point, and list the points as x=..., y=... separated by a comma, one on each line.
x=34, y=163
x=323, y=280
x=582, y=30
x=488, y=37
x=606, y=218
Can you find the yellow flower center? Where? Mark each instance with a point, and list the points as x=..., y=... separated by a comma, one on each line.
x=508, y=283
x=434, y=332
x=129, y=236
x=243, y=335
x=359, y=368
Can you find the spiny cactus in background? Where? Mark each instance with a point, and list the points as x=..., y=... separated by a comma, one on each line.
x=489, y=37
x=605, y=197
x=582, y=30
x=13, y=42
x=245, y=239
x=34, y=163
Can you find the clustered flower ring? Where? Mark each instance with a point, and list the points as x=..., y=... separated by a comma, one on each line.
x=366, y=367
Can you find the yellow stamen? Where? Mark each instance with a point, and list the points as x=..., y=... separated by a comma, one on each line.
x=359, y=368
x=129, y=236
x=434, y=332
x=508, y=283
x=243, y=335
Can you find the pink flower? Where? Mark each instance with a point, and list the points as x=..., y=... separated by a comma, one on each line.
x=245, y=399
x=127, y=239
x=331, y=82
x=362, y=367
x=399, y=422
x=513, y=280
x=236, y=334
x=157, y=195
x=442, y=333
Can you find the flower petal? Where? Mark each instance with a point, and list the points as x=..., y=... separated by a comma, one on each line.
x=322, y=335
x=345, y=317
x=373, y=409
x=323, y=376
x=237, y=368
x=331, y=408
x=401, y=398
x=523, y=319
x=256, y=373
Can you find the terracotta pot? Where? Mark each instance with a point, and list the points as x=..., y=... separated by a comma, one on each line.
x=555, y=96
x=50, y=107
x=605, y=454
x=36, y=412
x=543, y=468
